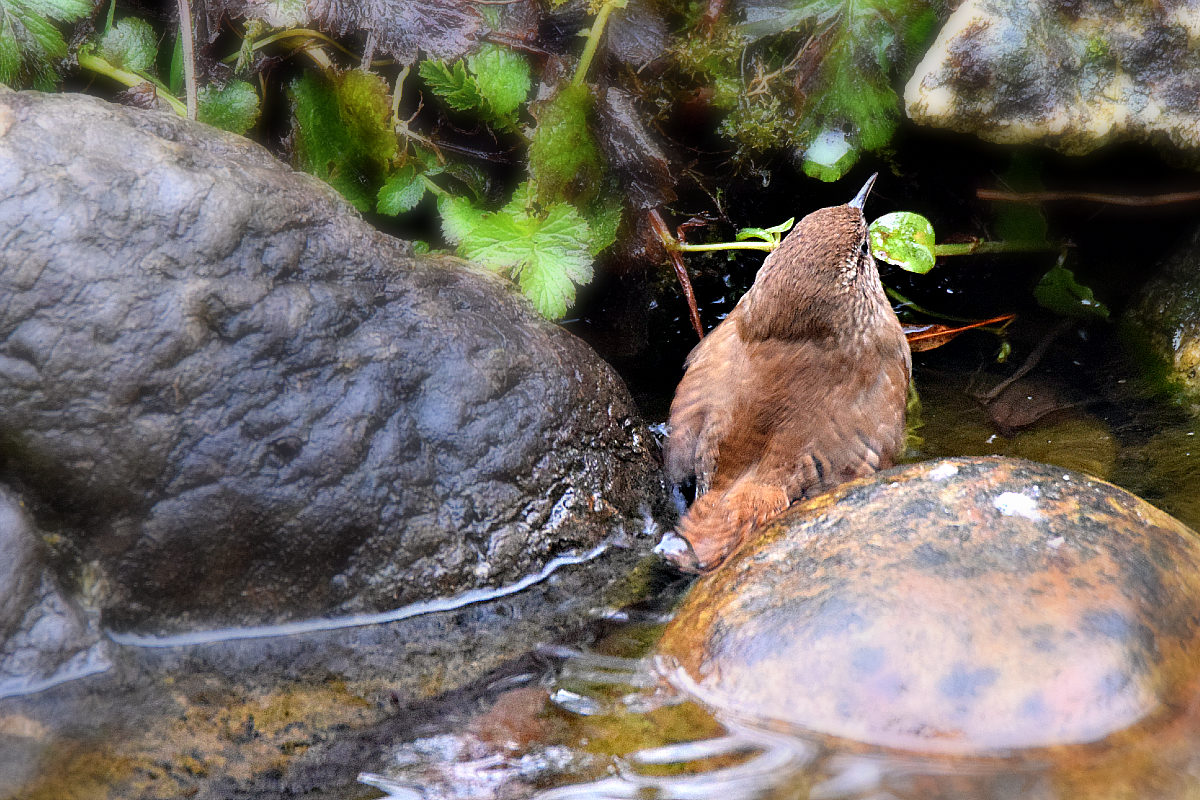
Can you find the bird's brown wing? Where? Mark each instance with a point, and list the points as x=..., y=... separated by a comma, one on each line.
x=701, y=412
x=837, y=419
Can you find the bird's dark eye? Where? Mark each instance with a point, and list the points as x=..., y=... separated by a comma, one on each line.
x=866, y=247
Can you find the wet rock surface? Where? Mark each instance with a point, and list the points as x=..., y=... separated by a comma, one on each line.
x=45, y=636
x=1073, y=76
x=959, y=606
x=249, y=406
x=1163, y=322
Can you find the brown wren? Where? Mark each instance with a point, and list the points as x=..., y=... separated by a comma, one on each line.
x=802, y=387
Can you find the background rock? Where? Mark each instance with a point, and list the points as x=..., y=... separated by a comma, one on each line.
x=1073, y=76
x=251, y=406
x=1163, y=323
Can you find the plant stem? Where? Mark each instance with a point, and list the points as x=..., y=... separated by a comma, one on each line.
x=671, y=246
x=765, y=247
x=979, y=247
x=189, y=57
x=433, y=187
x=904, y=301
x=593, y=39
x=90, y=61
x=293, y=33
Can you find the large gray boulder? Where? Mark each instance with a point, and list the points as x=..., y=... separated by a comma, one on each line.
x=251, y=406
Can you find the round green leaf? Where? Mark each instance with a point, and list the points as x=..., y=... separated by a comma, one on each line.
x=233, y=108
x=904, y=239
x=130, y=44
x=1061, y=293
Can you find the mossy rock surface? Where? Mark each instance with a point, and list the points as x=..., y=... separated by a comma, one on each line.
x=959, y=606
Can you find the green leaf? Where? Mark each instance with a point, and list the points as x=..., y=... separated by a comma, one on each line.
x=604, y=220
x=401, y=191
x=813, y=76
x=365, y=107
x=459, y=217
x=494, y=87
x=175, y=71
x=563, y=152
x=548, y=254
x=233, y=108
x=323, y=144
x=1061, y=293
x=452, y=84
x=904, y=239
x=30, y=44
x=502, y=79
x=130, y=44
x=769, y=235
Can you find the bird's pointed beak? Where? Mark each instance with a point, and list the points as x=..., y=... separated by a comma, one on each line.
x=861, y=197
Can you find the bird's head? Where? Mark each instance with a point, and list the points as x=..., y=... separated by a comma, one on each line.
x=821, y=280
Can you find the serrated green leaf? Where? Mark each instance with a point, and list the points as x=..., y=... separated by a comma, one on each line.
x=563, y=150
x=130, y=44
x=233, y=108
x=546, y=254
x=30, y=44
x=604, y=220
x=400, y=192
x=904, y=239
x=452, y=84
x=493, y=83
x=502, y=79
x=459, y=217
x=499, y=241
x=561, y=242
x=1061, y=293
x=548, y=288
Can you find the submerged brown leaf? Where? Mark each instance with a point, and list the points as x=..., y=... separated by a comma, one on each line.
x=928, y=337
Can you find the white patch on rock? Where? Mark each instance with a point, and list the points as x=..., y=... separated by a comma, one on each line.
x=942, y=472
x=1016, y=504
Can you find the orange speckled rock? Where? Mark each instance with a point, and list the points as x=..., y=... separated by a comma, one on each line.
x=960, y=606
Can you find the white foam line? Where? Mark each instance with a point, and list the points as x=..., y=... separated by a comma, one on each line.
x=354, y=620
x=22, y=688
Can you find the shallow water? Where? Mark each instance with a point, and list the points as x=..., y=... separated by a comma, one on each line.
x=603, y=722
x=593, y=717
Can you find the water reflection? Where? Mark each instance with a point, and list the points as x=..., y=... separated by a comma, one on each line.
x=610, y=728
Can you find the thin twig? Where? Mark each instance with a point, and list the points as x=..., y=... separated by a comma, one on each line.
x=189, y=57
x=672, y=247
x=1091, y=197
